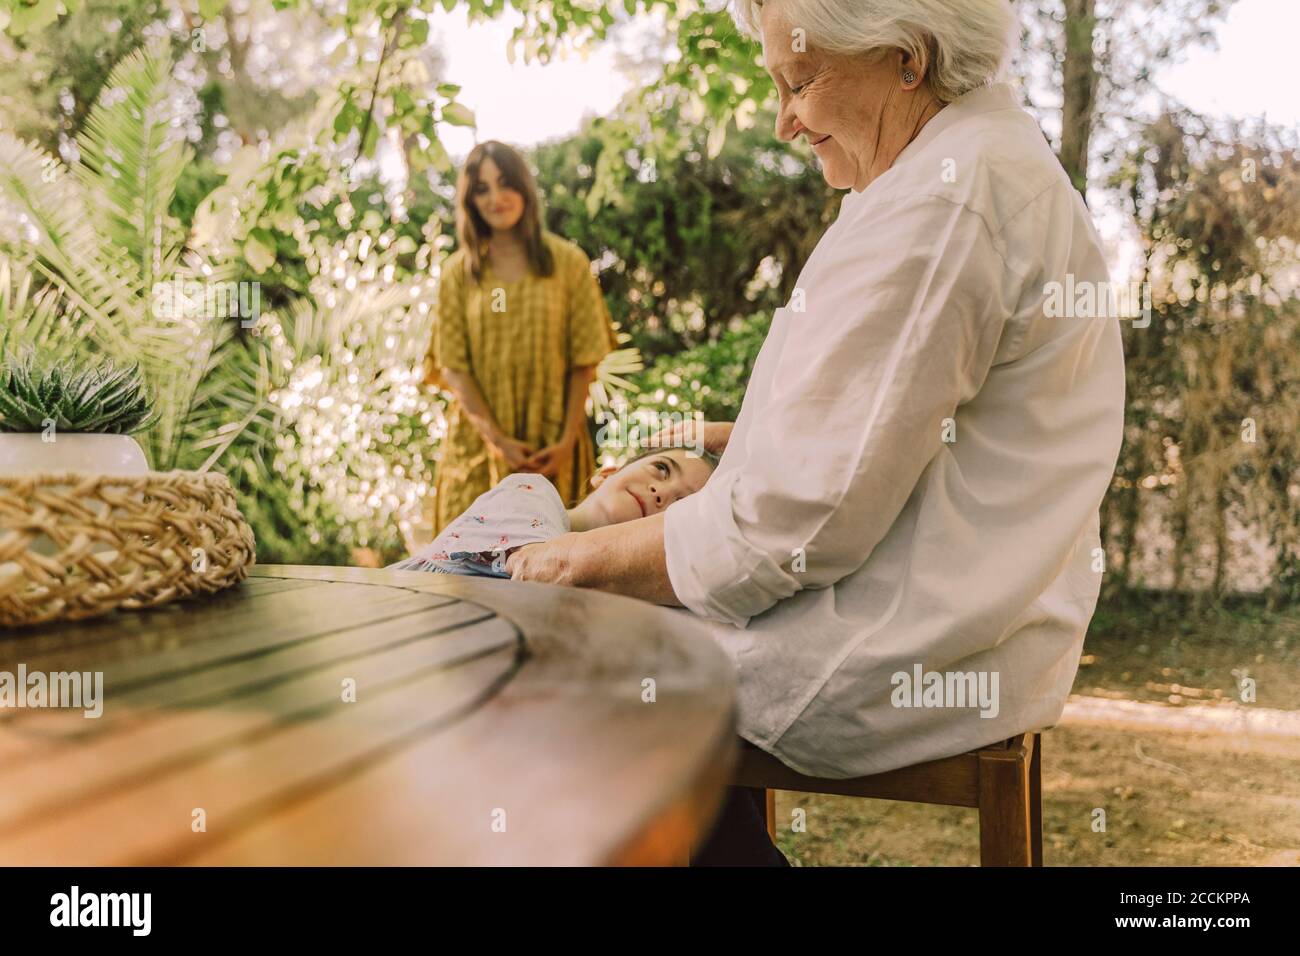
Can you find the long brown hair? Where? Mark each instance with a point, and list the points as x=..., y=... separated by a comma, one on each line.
x=474, y=231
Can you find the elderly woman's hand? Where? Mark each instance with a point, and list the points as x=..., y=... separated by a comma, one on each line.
x=548, y=562
x=712, y=436
x=625, y=558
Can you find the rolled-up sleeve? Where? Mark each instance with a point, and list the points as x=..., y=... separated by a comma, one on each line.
x=903, y=313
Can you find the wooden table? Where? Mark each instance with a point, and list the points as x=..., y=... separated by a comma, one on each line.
x=492, y=722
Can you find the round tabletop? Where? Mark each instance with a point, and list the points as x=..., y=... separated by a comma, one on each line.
x=340, y=716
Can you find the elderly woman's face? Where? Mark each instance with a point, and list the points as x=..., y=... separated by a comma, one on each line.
x=847, y=107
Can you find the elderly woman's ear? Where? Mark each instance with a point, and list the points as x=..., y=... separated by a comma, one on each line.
x=911, y=69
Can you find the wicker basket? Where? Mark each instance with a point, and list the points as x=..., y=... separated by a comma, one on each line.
x=75, y=546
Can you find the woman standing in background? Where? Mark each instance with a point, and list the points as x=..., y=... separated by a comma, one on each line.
x=521, y=328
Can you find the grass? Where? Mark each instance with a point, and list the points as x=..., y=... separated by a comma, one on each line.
x=1162, y=649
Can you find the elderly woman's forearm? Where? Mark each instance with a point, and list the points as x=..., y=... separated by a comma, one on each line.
x=627, y=559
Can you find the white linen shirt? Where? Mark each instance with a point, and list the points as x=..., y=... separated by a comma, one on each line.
x=916, y=470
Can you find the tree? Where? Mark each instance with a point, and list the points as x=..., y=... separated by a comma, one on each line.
x=1079, y=89
x=1088, y=65
x=53, y=75
x=1211, y=436
x=688, y=244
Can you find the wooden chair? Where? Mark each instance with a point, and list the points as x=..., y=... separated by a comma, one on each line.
x=1002, y=781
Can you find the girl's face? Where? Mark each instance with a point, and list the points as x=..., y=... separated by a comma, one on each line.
x=647, y=486
x=500, y=206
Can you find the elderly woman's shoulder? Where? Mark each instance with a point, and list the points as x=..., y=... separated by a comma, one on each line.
x=998, y=159
x=1010, y=137
x=1008, y=157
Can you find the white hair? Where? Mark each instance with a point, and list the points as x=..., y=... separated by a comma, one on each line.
x=963, y=42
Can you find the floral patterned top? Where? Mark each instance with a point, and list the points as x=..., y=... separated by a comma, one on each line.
x=522, y=509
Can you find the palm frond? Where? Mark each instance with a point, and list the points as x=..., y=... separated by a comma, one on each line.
x=612, y=377
x=33, y=314
x=231, y=402
x=69, y=252
x=178, y=345
x=131, y=161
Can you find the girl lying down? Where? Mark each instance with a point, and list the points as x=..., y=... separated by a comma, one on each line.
x=526, y=508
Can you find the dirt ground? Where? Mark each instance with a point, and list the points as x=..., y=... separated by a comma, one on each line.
x=1169, y=799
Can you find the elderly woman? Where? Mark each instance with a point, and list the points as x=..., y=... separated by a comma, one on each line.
x=912, y=485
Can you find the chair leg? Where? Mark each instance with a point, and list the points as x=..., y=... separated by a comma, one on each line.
x=1036, y=802
x=1004, y=809
x=770, y=802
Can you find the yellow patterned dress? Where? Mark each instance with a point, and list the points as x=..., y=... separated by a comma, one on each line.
x=519, y=340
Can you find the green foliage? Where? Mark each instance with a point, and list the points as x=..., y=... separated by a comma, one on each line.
x=290, y=521
x=265, y=212
x=717, y=78
x=355, y=431
x=23, y=16
x=316, y=408
x=688, y=244
x=1211, y=459
x=197, y=181
x=343, y=436
x=1094, y=63
x=103, y=398
x=53, y=74
x=31, y=314
x=104, y=238
x=390, y=85
x=130, y=163
x=710, y=378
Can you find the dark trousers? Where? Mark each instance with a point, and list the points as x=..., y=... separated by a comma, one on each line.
x=739, y=838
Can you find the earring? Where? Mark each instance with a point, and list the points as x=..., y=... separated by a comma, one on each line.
x=909, y=77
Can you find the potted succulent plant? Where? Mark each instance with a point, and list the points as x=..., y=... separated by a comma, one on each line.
x=58, y=417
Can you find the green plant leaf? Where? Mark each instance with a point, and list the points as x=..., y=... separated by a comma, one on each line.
x=101, y=398
x=457, y=114
x=131, y=160
x=26, y=17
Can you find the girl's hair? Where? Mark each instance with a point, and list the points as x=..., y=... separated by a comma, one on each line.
x=474, y=231
x=643, y=451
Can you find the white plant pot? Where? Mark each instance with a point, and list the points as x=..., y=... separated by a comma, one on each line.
x=29, y=454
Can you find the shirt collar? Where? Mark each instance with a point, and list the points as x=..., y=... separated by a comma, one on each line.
x=983, y=99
